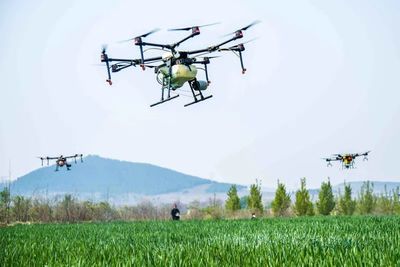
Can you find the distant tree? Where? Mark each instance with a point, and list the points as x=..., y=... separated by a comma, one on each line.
x=326, y=200
x=5, y=201
x=86, y=211
x=20, y=209
x=303, y=205
x=281, y=202
x=233, y=201
x=346, y=204
x=396, y=201
x=41, y=211
x=194, y=210
x=104, y=212
x=367, y=201
x=254, y=201
x=66, y=210
x=243, y=202
x=384, y=203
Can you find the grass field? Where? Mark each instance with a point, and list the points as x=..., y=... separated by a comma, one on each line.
x=312, y=241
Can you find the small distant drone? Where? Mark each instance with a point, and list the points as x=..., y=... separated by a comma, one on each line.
x=175, y=67
x=62, y=161
x=346, y=159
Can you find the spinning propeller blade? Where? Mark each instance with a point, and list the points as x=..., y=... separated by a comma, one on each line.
x=150, y=32
x=191, y=27
x=250, y=25
x=140, y=36
x=103, y=48
x=245, y=27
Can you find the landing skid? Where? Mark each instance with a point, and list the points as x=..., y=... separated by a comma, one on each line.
x=198, y=100
x=164, y=100
x=166, y=86
x=197, y=97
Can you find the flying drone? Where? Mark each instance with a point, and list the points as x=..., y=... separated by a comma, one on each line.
x=62, y=161
x=346, y=159
x=174, y=67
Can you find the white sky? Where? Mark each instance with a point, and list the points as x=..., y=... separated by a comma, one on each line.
x=323, y=77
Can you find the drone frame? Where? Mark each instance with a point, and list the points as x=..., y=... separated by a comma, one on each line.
x=62, y=158
x=176, y=58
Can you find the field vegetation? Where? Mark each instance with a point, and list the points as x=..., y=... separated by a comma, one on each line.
x=300, y=241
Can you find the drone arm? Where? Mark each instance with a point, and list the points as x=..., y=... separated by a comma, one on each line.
x=157, y=45
x=184, y=39
x=214, y=47
x=135, y=61
x=117, y=67
x=228, y=41
x=127, y=63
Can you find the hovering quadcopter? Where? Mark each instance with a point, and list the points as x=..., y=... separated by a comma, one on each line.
x=61, y=160
x=346, y=159
x=174, y=67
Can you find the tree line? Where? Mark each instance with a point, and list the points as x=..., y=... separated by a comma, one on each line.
x=367, y=202
x=70, y=209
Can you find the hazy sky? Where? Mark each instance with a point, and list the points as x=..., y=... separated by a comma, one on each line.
x=323, y=77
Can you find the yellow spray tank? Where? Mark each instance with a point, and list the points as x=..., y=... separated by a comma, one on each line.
x=180, y=73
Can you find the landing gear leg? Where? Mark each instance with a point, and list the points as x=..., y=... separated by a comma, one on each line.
x=199, y=96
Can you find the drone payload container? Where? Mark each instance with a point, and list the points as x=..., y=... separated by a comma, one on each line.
x=179, y=74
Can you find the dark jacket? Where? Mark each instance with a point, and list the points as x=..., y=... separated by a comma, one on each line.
x=175, y=214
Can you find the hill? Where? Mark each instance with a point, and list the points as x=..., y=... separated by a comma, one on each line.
x=118, y=181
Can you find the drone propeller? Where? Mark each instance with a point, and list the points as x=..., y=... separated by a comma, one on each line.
x=237, y=46
x=140, y=36
x=103, y=48
x=250, y=25
x=189, y=28
x=150, y=32
x=245, y=27
x=205, y=58
x=366, y=153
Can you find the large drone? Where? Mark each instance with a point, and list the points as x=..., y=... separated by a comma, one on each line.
x=174, y=68
x=62, y=161
x=346, y=159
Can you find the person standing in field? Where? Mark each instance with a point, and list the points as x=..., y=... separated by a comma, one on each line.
x=175, y=214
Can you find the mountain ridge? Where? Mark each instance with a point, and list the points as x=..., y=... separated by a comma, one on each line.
x=100, y=178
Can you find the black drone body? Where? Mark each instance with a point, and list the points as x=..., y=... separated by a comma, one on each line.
x=347, y=160
x=174, y=68
x=61, y=161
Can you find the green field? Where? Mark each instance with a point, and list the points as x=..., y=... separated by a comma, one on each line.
x=315, y=241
